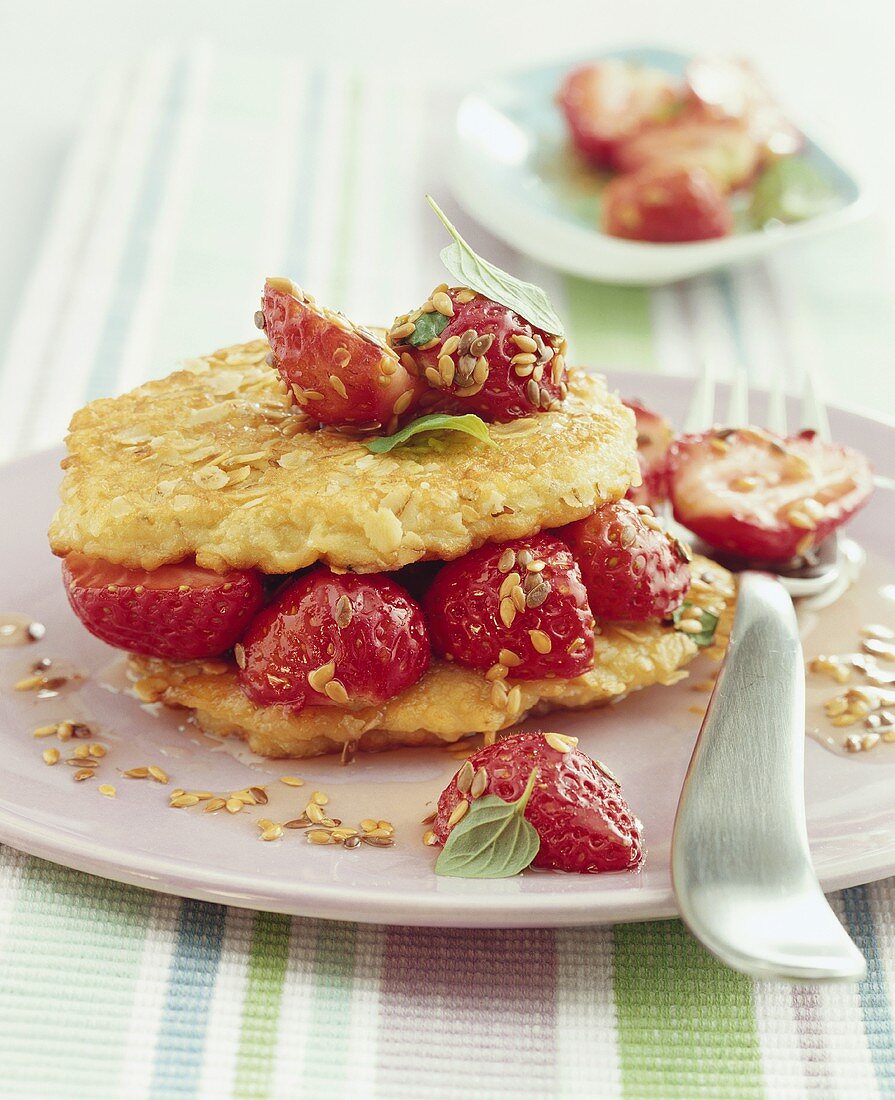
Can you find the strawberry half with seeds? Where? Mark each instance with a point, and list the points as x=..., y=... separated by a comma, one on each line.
x=574, y=804
x=633, y=569
x=334, y=640
x=758, y=495
x=608, y=101
x=478, y=356
x=725, y=150
x=654, y=437
x=513, y=607
x=665, y=204
x=340, y=374
x=179, y=612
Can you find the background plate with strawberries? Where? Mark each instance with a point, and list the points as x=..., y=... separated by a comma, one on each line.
x=514, y=170
x=136, y=838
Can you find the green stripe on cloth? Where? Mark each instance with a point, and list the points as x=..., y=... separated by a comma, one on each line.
x=686, y=1024
x=268, y=959
x=610, y=326
x=326, y=1049
x=68, y=975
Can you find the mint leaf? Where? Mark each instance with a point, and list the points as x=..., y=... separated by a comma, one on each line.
x=468, y=423
x=789, y=191
x=469, y=269
x=427, y=327
x=493, y=840
x=708, y=620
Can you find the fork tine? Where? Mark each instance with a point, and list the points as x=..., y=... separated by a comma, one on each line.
x=776, y=419
x=738, y=404
x=814, y=412
x=701, y=413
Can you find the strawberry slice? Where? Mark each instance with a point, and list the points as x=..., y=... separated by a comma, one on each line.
x=334, y=640
x=608, y=101
x=665, y=204
x=723, y=88
x=480, y=357
x=340, y=374
x=576, y=806
x=724, y=149
x=179, y=612
x=513, y=607
x=654, y=437
x=758, y=495
x=632, y=568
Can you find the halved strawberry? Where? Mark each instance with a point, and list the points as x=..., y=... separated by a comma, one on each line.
x=179, y=612
x=632, y=568
x=665, y=205
x=517, y=607
x=729, y=88
x=654, y=436
x=480, y=356
x=340, y=374
x=576, y=805
x=608, y=101
x=758, y=495
x=333, y=639
x=725, y=149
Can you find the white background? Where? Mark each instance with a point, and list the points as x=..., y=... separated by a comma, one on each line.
x=832, y=61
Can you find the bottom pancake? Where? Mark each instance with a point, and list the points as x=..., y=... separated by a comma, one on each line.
x=449, y=702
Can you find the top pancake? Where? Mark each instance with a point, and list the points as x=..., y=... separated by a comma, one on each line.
x=215, y=462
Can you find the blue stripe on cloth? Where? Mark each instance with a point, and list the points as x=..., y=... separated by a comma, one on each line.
x=134, y=257
x=179, y=1048
x=876, y=1009
x=307, y=139
x=732, y=309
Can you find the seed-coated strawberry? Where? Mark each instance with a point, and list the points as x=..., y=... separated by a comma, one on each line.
x=340, y=374
x=632, y=568
x=759, y=495
x=334, y=640
x=576, y=806
x=179, y=612
x=485, y=360
x=519, y=604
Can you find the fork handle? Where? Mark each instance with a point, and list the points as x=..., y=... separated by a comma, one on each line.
x=740, y=862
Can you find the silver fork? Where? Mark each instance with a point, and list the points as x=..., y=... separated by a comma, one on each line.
x=740, y=862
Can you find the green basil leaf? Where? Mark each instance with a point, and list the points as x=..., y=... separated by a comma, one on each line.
x=707, y=619
x=469, y=269
x=468, y=423
x=791, y=190
x=427, y=327
x=492, y=841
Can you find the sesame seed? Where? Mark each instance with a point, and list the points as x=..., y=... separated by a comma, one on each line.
x=507, y=612
x=450, y=345
x=213, y=805
x=481, y=371
x=402, y=404
x=509, y=583
x=465, y=295
x=29, y=683
x=523, y=359
x=432, y=376
x=524, y=343
x=401, y=332
x=335, y=690
x=429, y=838
x=560, y=743
x=446, y=370
x=496, y=672
x=464, y=777
x=479, y=783
x=540, y=641
x=514, y=699
x=51, y=756
x=272, y=832
x=369, y=823
x=507, y=560
x=339, y=386
x=318, y=836
x=458, y=813
x=136, y=773
x=107, y=790
x=158, y=774
x=690, y=626
x=292, y=781
x=45, y=731
x=523, y=370
x=499, y=694
x=443, y=304
x=84, y=773
x=320, y=677
x=232, y=805
x=183, y=801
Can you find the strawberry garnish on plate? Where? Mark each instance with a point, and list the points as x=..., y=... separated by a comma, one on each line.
x=179, y=612
x=333, y=639
x=574, y=805
x=516, y=607
x=632, y=568
x=479, y=356
x=654, y=437
x=724, y=149
x=758, y=495
x=340, y=374
x=665, y=204
x=608, y=101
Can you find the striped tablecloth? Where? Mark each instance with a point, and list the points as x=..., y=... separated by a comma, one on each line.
x=195, y=176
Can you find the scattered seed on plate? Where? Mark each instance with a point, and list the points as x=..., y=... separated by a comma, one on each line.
x=292, y=781
x=51, y=756
x=107, y=790
x=158, y=774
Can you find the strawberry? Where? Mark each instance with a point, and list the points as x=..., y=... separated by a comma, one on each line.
x=723, y=88
x=334, y=640
x=633, y=569
x=179, y=612
x=576, y=806
x=654, y=436
x=759, y=495
x=608, y=101
x=665, y=205
x=515, y=606
x=480, y=357
x=340, y=374
x=725, y=150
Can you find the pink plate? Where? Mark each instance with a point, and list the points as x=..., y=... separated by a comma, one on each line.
x=646, y=740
